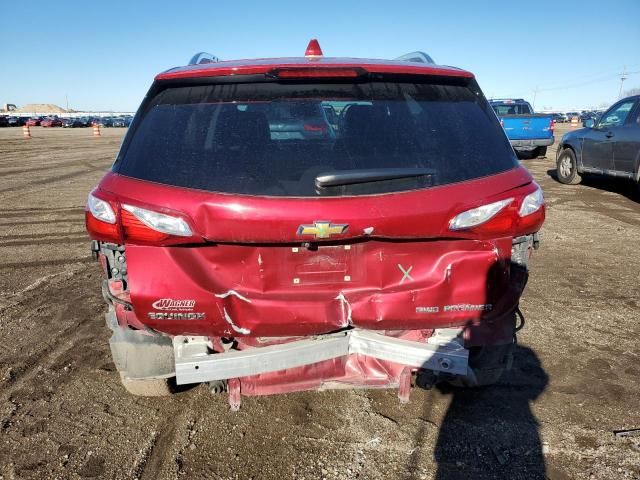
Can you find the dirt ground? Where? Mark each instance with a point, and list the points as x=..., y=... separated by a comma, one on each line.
x=64, y=414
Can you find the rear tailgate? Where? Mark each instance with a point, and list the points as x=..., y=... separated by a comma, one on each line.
x=525, y=127
x=388, y=271
x=289, y=291
x=279, y=253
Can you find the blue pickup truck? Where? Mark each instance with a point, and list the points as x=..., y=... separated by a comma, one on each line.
x=529, y=133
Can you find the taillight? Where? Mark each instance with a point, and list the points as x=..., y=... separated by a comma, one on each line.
x=510, y=216
x=135, y=230
x=552, y=125
x=477, y=216
x=109, y=222
x=101, y=220
x=101, y=209
x=531, y=203
x=531, y=212
x=147, y=225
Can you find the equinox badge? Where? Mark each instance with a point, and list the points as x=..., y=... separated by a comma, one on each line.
x=322, y=229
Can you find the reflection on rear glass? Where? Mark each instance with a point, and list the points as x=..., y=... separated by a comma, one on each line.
x=275, y=139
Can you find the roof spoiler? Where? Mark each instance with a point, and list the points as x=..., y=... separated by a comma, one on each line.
x=419, y=57
x=203, y=57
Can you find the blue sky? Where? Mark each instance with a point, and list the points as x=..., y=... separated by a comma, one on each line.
x=103, y=55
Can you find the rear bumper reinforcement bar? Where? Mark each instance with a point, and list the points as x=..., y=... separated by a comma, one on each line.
x=194, y=363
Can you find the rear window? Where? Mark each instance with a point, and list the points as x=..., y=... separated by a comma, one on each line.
x=511, y=109
x=276, y=139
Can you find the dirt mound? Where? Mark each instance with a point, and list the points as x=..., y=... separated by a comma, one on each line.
x=41, y=108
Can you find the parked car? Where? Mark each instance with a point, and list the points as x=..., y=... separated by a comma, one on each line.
x=610, y=146
x=121, y=122
x=51, y=122
x=559, y=117
x=72, y=123
x=265, y=263
x=17, y=121
x=530, y=134
x=572, y=115
x=34, y=121
x=103, y=122
x=586, y=115
x=4, y=121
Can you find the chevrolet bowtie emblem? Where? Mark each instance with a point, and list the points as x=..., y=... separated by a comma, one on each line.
x=322, y=229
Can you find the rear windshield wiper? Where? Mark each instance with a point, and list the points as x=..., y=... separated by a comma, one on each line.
x=350, y=177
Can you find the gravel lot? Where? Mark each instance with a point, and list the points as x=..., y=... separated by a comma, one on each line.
x=64, y=414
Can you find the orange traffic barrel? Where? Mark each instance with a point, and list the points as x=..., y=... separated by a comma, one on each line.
x=26, y=133
x=574, y=122
x=96, y=130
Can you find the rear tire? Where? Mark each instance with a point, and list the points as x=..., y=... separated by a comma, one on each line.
x=541, y=152
x=567, y=168
x=157, y=387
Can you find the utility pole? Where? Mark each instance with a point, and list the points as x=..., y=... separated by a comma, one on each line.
x=535, y=94
x=66, y=98
x=623, y=77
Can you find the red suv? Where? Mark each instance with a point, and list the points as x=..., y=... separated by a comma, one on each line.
x=390, y=252
x=51, y=122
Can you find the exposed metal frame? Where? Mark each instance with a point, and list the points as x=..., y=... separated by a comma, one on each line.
x=443, y=352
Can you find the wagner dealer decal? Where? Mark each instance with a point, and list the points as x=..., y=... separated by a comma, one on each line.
x=175, y=310
x=174, y=305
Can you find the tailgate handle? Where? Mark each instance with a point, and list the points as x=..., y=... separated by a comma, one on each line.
x=609, y=134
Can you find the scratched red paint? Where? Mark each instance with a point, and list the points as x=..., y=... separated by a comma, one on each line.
x=293, y=291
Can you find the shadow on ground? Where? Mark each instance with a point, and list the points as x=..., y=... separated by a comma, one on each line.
x=491, y=432
x=626, y=188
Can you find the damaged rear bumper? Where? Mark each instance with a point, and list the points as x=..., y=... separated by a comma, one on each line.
x=194, y=362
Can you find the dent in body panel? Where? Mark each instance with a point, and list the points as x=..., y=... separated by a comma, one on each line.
x=338, y=286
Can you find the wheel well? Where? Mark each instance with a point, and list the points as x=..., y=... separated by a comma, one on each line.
x=566, y=146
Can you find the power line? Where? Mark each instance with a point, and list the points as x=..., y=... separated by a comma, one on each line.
x=589, y=82
x=624, y=75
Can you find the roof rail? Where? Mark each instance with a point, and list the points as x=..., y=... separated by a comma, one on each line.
x=203, y=57
x=419, y=57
